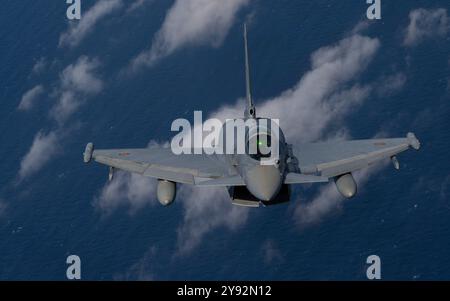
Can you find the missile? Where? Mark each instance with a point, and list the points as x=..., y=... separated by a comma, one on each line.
x=111, y=174
x=395, y=162
x=87, y=155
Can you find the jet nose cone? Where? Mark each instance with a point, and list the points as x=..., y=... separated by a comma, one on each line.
x=264, y=182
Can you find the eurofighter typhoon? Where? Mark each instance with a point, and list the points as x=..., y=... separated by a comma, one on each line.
x=250, y=178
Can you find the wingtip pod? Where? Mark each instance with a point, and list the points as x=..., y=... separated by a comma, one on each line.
x=413, y=141
x=87, y=155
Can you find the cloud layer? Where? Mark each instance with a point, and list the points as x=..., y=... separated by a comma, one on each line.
x=425, y=24
x=77, y=82
x=323, y=96
x=203, y=214
x=191, y=22
x=43, y=148
x=127, y=190
x=328, y=200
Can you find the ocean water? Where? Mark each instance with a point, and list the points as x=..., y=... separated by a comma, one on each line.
x=400, y=216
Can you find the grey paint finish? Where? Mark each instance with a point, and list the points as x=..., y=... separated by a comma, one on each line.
x=330, y=159
x=159, y=162
x=263, y=182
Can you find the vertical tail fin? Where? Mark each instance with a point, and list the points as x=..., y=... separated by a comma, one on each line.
x=250, y=111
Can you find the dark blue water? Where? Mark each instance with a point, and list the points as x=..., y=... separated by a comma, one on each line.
x=400, y=216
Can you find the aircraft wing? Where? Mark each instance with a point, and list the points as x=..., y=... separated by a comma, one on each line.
x=330, y=159
x=161, y=163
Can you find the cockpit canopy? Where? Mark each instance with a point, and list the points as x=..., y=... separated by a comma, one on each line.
x=259, y=146
x=261, y=139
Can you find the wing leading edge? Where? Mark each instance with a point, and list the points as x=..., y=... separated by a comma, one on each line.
x=330, y=159
x=161, y=163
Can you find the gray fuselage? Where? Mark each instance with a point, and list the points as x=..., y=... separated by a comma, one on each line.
x=263, y=181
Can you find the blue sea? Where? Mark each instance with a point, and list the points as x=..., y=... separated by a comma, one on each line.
x=401, y=216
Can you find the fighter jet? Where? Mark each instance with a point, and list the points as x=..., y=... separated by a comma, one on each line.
x=250, y=183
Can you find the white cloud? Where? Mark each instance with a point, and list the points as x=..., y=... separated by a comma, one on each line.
x=128, y=190
x=361, y=27
x=191, y=22
x=426, y=24
x=204, y=213
x=66, y=105
x=328, y=199
x=29, y=98
x=80, y=77
x=141, y=270
x=44, y=147
x=272, y=254
x=325, y=94
x=77, y=81
x=137, y=4
x=80, y=29
x=391, y=84
x=39, y=66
